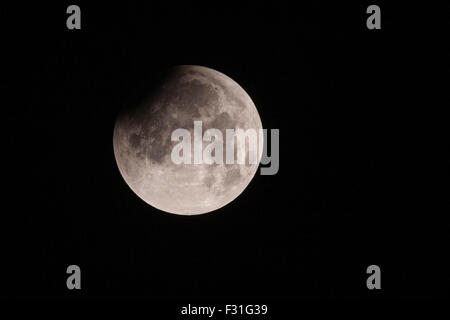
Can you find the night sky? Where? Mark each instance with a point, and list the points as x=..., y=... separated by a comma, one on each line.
x=361, y=170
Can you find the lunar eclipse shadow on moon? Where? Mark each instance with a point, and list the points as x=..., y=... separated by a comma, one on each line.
x=142, y=141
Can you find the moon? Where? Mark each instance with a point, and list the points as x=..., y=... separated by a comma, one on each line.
x=142, y=141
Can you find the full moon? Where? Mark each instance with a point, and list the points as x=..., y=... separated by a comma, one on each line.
x=143, y=145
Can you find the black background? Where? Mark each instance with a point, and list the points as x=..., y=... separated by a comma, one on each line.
x=362, y=176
